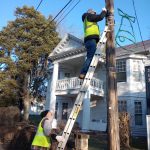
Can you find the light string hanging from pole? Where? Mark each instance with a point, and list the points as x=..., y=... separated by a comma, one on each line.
x=122, y=38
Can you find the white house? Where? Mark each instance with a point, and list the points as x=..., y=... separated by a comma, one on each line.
x=130, y=64
x=68, y=58
x=63, y=86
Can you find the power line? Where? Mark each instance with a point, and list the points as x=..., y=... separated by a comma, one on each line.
x=139, y=26
x=39, y=5
x=57, y=15
x=61, y=10
x=68, y=12
x=65, y=10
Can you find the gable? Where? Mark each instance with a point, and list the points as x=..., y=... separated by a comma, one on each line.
x=68, y=43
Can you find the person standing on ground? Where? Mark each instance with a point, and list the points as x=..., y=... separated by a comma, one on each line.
x=91, y=36
x=42, y=139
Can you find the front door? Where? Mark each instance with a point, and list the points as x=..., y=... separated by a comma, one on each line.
x=63, y=108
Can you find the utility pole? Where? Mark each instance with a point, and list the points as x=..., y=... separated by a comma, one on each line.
x=112, y=102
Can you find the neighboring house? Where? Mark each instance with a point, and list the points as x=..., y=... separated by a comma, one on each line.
x=67, y=60
x=130, y=64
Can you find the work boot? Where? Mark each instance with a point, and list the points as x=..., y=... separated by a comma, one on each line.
x=81, y=76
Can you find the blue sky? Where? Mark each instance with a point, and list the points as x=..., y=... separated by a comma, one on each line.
x=73, y=24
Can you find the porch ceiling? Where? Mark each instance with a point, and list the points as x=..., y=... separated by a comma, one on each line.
x=96, y=97
x=75, y=62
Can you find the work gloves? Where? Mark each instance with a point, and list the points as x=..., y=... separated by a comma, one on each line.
x=60, y=138
x=104, y=9
x=108, y=13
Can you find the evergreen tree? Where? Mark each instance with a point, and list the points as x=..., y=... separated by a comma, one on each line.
x=31, y=37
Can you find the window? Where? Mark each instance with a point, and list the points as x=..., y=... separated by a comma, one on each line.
x=138, y=113
x=64, y=111
x=136, y=71
x=121, y=70
x=122, y=106
x=67, y=75
x=56, y=110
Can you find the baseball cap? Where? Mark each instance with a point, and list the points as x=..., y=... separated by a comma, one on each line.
x=91, y=11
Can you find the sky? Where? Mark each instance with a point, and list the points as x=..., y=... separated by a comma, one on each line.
x=73, y=24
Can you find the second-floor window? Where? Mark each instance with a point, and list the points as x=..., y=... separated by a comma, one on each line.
x=136, y=71
x=121, y=70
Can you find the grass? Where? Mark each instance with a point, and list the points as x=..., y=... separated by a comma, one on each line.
x=99, y=142
x=139, y=143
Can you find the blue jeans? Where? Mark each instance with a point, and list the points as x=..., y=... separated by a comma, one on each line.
x=90, y=46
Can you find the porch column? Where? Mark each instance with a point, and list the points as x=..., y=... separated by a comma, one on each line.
x=86, y=112
x=53, y=87
x=48, y=93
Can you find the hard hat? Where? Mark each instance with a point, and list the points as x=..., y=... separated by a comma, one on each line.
x=91, y=11
x=54, y=124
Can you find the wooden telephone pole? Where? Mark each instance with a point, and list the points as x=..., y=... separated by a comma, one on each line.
x=112, y=102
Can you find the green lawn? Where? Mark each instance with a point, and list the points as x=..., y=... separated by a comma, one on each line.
x=139, y=143
x=99, y=142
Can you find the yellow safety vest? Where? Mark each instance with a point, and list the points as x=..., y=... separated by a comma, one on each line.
x=40, y=139
x=90, y=28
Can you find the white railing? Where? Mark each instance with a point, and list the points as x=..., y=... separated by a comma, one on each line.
x=96, y=83
x=75, y=83
x=70, y=83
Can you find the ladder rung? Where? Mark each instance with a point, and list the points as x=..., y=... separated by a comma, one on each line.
x=97, y=54
x=102, y=42
x=82, y=91
x=72, y=118
x=66, y=132
x=87, y=78
x=78, y=104
x=93, y=66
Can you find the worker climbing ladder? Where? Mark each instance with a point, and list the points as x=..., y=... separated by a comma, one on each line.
x=82, y=92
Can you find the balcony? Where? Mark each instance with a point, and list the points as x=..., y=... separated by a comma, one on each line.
x=72, y=86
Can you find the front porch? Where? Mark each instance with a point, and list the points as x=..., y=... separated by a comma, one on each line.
x=72, y=86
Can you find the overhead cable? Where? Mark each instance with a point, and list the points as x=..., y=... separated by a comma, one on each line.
x=61, y=10
x=57, y=14
x=139, y=26
x=68, y=12
x=64, y=11
x=39, y=5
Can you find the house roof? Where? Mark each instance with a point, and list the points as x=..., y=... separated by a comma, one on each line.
x=69, y=45
x=137, y=48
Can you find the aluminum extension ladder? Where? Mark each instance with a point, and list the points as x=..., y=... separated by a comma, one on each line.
x=82, y=92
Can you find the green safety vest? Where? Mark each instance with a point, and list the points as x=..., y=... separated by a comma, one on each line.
x=90, y=28
x=40, y=139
